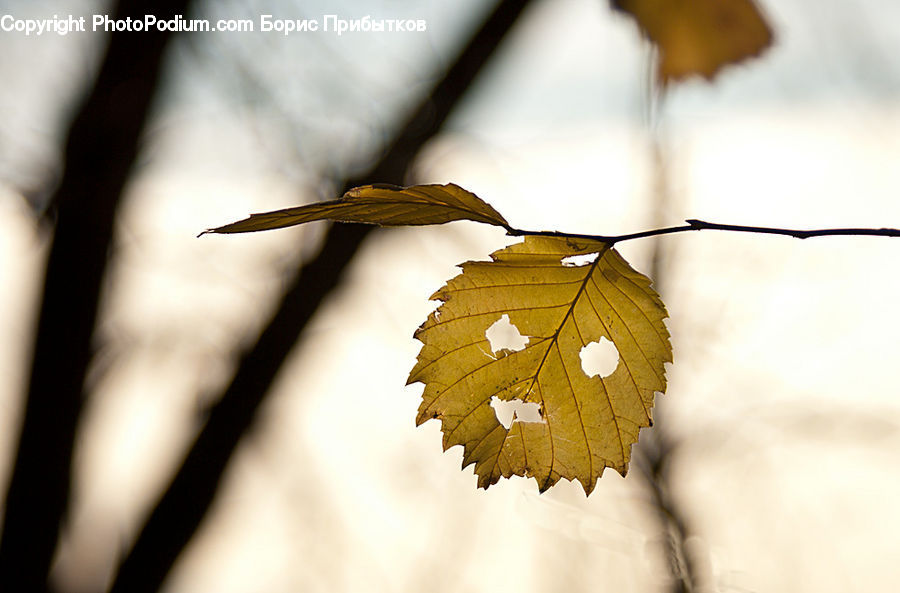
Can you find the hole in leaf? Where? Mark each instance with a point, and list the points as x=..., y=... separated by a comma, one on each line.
x=508, y=412
x=573, y=261
x=503, y=335
x=599, y=358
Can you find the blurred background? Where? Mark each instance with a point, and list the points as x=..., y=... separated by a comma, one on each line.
x=773, y=463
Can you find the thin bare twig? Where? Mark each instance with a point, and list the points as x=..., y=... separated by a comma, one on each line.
x=702, y=225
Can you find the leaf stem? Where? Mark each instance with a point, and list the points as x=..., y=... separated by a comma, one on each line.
x=701, y=225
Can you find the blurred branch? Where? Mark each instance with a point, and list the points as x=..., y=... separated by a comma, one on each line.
x=657, y=447
x=187, y=500
x=655, y=455
x=101, y=148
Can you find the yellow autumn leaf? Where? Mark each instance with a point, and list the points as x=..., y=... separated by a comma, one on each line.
x=587, y=423
x=382, y=204
x=699, y=36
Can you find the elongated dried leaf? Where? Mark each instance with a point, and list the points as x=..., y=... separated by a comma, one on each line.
x=699, y=36
x=588, y=422
x=382, y=204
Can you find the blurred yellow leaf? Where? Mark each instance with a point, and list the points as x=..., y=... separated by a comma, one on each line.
x=382, y=204
x=699, y=36
x=585, y=423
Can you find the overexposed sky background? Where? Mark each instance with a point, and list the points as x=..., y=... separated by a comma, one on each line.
x=783, y=394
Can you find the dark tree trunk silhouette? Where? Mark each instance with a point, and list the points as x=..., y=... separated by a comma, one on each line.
x=185, y=503
x=100, y=150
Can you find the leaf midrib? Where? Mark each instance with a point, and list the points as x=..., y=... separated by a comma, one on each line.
x=554, y=341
